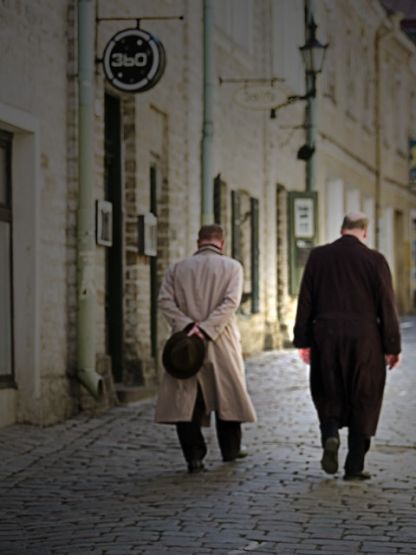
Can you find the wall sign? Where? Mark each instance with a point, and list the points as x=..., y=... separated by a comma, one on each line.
x=302, y=233
x=147, y=234
x=257, y=97
x=304, y=214
x=104, y=223
x=134, y=60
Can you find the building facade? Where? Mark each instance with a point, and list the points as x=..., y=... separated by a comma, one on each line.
x=147, y=168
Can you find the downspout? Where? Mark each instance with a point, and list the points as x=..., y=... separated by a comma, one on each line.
x=86, y=293
x=310, y=122
x=207, y=185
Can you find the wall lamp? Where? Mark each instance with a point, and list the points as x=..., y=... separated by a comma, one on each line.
x=313, y=56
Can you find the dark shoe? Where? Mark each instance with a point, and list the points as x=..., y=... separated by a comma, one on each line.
x=242, y=454
x=195, y=466
x=329, y=461
x=359, y=477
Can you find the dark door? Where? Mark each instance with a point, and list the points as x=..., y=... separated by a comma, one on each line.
x=154, y=285
x=114, y=254
x=6, y=281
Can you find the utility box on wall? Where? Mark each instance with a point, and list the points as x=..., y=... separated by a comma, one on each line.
x=147, y=234
x=302, y=233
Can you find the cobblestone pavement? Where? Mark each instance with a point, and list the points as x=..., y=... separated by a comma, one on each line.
x=116, y=484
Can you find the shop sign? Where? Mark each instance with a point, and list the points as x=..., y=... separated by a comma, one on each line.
x=257, y=97
x=134, y=60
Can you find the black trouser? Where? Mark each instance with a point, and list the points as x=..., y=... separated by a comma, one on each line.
x=329, y=428
x=192, y=441
x=358, y=445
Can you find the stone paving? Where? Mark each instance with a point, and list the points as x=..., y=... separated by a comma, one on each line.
x=116, y=484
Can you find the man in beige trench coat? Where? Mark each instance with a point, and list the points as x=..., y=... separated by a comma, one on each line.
x=200, y=294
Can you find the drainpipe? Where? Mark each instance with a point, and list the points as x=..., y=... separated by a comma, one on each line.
x=207, y=186
x=86, y=293
x=310, y=167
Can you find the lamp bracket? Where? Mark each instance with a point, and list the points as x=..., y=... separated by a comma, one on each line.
x=290, y=100
x=139, y=19
x=246, y=80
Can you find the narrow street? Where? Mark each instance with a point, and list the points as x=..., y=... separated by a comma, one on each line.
x=116, y=484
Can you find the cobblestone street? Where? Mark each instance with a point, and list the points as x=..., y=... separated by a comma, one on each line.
x=117, y=484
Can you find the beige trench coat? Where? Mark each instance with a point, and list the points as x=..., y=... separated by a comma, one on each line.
x=206, y=288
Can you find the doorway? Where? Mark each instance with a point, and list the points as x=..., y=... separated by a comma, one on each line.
x=6, y=258
x=113, y=190
x=400, y=270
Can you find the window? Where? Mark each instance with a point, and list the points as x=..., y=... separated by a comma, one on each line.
x=221, y=210
x=6, y=291
x=245, y=246
x=220, y=205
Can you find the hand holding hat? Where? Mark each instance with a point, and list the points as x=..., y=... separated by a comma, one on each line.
x=196, y=331
x=184, y=353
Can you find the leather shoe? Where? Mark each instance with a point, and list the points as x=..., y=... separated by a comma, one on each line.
x=242, y=454
x=358, y=477
x=329, y=461
x=195, y=466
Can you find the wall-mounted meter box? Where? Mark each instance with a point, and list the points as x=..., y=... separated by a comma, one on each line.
x=147, y=234
x=302, y=233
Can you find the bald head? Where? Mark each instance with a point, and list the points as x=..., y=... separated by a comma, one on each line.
x=355, y=220
x=355, y=223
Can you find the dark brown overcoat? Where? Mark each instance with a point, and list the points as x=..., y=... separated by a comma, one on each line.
x=347, y=315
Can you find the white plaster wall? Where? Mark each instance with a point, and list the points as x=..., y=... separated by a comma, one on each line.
x=33, y=97
x=334, y=209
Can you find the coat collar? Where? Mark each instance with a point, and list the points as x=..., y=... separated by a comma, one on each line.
x=349, y=237
x=209, y=247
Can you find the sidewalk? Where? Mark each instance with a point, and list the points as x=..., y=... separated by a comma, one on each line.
x=117, y=484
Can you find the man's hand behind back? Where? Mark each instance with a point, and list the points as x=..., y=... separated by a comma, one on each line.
x=196, y=331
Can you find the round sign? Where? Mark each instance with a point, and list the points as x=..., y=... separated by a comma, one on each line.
x=134, y=60
x=257, y=97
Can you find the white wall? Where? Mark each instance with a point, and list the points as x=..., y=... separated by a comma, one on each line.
x=334, y=208
x=387, y=236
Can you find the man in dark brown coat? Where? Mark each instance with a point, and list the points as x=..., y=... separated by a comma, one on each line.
x=347, y=329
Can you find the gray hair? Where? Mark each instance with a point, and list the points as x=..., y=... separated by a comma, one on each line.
x=355, y=220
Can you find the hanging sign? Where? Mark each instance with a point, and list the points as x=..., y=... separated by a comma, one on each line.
x=134, y=60
x=257, y=97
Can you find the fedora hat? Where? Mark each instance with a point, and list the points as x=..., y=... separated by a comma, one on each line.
x=183, y=355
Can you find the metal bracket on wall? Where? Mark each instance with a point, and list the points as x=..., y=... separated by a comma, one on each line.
x=132, y=18
x=139, y=19
x=245, y=80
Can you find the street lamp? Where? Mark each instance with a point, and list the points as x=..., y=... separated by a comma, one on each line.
x=303, y=205
x=313, y=56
